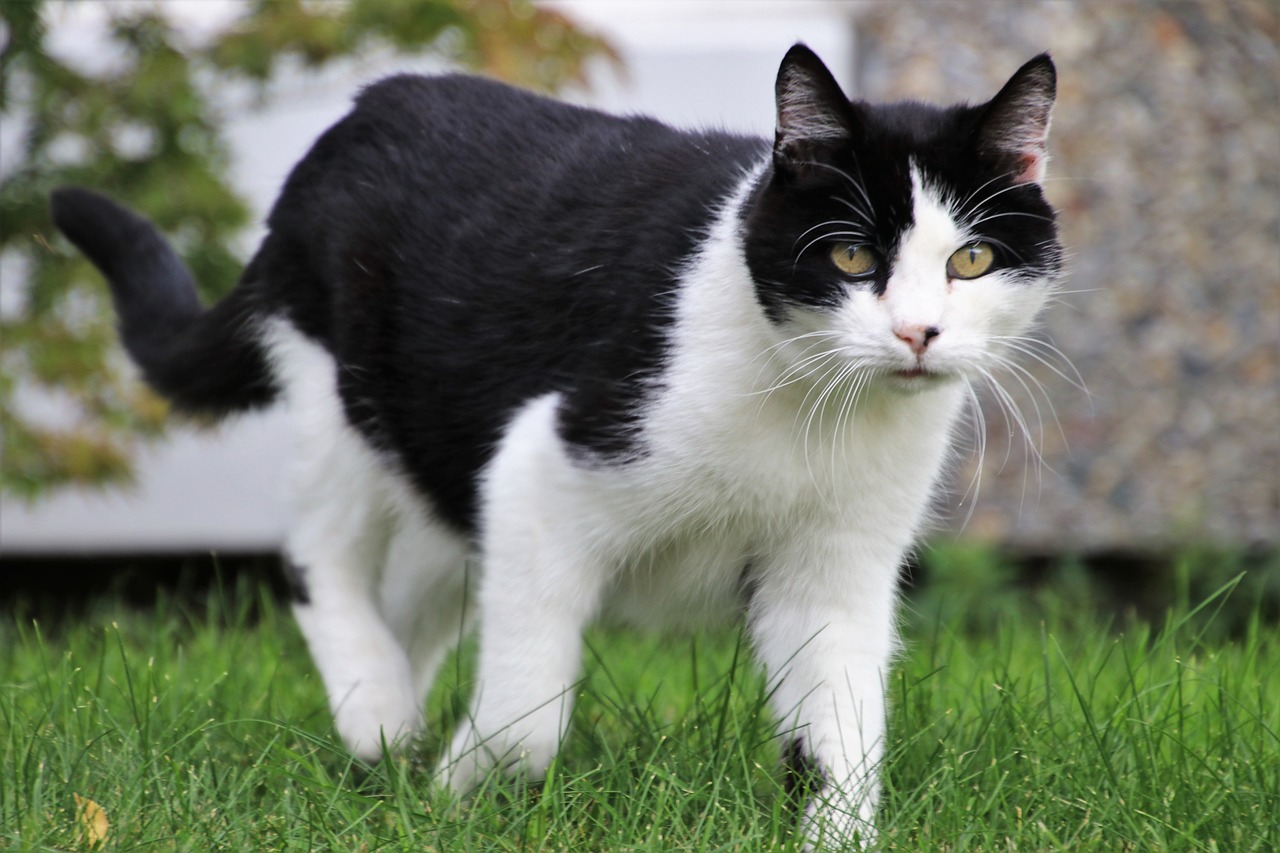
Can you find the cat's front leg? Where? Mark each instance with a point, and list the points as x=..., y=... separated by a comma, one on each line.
x=534, y=604
x=821, y=618
x=541, y=585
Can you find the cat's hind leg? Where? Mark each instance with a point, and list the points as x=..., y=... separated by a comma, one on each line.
x=425, y=593
x=336, y=547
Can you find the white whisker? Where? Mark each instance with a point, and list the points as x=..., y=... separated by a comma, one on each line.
x=798, y=372
x=853, y=235
x=1003, y=245
x=1025, y=345
x=1009, y=409
x=989, y=217
x=856, y=184
x=964, y=206
x=978, y=206
x=979, y=424
x=841, y=222
x=1018, y=372
x=865, y=214
x=845, y=418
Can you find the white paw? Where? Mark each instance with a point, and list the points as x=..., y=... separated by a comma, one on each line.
x=838, y=822
x=472, y=759
x=369, y=719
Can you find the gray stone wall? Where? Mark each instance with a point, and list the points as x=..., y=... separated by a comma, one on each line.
x=1166, y=158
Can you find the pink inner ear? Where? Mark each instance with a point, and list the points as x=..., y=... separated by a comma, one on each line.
x=1030, y=167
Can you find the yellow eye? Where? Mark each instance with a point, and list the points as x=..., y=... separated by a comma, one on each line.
x=971, y=261
x=852, y=259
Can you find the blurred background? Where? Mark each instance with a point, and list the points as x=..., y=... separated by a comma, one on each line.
x=1151, y=425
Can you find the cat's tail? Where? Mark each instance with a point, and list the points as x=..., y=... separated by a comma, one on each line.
x=204, y=360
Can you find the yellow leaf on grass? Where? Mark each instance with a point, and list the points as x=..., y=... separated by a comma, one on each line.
x=91, y=821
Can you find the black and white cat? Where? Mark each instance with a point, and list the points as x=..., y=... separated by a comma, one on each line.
x=568, y=366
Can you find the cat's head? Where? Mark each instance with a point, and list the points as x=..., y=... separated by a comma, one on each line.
x=904, y=243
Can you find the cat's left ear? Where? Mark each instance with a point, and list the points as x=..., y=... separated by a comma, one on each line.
x=814, y=116
x=1014, y=126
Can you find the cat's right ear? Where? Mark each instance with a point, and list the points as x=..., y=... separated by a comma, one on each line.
x=814, y=116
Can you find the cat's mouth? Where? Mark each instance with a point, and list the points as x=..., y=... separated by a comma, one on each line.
x=919, y=376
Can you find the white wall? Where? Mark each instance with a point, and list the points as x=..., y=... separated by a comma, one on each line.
x=708, y=64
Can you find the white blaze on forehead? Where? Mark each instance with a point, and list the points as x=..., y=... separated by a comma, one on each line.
x=917, y=287
x=933, y=235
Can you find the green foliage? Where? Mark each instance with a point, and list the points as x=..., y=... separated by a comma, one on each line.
x=148, y=130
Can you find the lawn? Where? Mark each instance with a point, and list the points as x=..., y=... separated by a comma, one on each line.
x=1023, y=721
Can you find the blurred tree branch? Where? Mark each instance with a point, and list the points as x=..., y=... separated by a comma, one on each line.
x=148, y=130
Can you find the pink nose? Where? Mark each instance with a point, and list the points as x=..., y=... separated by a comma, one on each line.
x=917, y=337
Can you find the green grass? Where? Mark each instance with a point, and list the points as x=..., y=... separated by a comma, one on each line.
x=1019, y=724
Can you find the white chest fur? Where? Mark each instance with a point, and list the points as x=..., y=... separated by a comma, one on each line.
x=741, y=455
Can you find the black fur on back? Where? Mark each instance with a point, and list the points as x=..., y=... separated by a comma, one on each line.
x=463, y=247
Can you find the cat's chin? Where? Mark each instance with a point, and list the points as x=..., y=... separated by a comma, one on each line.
x=917, y=379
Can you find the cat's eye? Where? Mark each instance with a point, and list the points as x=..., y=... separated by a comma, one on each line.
x=971, y=261
x=852, y=259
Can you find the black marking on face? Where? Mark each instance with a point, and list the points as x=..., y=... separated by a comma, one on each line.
x=842, y=174
x=794, y=220
x=987, y=199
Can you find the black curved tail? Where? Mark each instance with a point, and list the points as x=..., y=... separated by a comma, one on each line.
x=206, y=361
